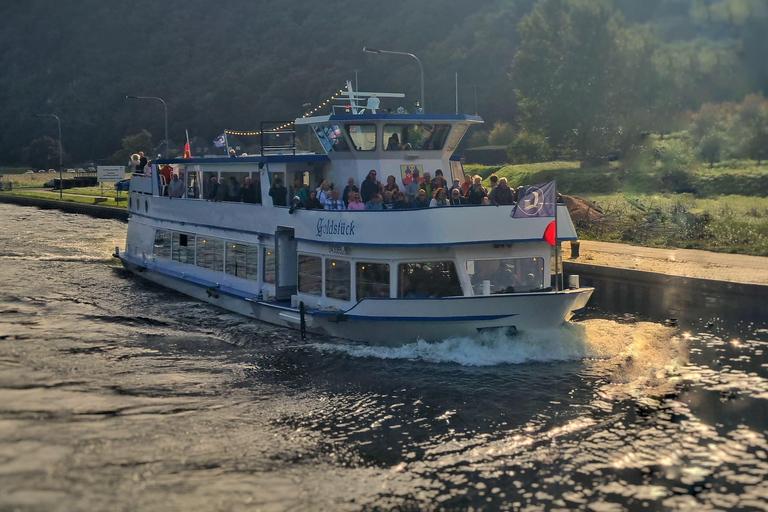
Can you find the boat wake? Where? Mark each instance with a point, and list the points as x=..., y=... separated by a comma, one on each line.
x=599, y=339
x=77, y=258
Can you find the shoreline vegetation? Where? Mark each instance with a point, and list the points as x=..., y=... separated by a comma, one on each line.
x=633, y=206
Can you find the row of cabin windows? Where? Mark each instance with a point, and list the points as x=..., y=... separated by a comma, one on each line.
x=396, y=137
x=423, y=279
x=233, y=258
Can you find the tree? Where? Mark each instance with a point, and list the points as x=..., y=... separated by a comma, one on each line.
x=565, y=75
x=43, y=153
x=528, y=148
x=751, y=123
x=133, y=144
x=501, y=134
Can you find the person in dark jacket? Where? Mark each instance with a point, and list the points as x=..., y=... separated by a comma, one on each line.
x=278, y=193
x=313, y=203
x=370, y=187
x=456, y=198
x=476, y=192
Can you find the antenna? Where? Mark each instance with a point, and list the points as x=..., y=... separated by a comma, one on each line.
x=457, y=93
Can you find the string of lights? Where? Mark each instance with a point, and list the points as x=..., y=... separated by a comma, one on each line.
x=286, y=125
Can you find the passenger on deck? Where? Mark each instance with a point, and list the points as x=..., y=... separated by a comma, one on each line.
x=389, y=202
x=476, y=192
x=213, y=189
x=426, y=185
x=300, y=190
x=351, y=187
x=374, y=203
x=142, y=162
x=278, y=193
x=166, y=171
x=494, y=180
x=370, y=186
x=333, y=202
x=324, y=192
x=391, y=185
x=256, y=184
x=440, y=198
x=466, y=185
x=234, y=189
x=175, y=187
x=456, y=198
x=232, y=153
x=502, y=194
x=248, y=191
x=455, y=186
x=133, y=162
x=412, y=188
x=312, y=202
x=421, y=200
x=222, y=194
x=355, y=203
x=401, y=203
x=393, y=142
x=439, y=181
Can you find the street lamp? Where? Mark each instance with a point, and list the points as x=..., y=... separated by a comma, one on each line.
x=61, y=171
x=371, y=50
x=166, y=115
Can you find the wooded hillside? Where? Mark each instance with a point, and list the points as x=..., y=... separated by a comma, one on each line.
x=235, y=64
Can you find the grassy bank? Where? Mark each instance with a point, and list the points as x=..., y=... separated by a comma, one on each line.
x=67, y=197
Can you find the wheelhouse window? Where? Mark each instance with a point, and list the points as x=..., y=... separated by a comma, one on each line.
x=508, y=275
x=363, y=136
x=428, y=279
x=425, y=137
x=310, y=275
x=331, y=138
x=337, y=279
x=269, y=265
x=458, y=134
x=372, y=280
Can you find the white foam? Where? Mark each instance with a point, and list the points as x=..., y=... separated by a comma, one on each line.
x=571, y=342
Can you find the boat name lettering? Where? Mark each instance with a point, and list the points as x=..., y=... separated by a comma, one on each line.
x=335, y=227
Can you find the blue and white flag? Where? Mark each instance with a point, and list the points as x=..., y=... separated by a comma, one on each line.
x=535, y=201
x=220, y=141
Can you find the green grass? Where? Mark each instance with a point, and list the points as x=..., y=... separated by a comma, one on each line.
x=732, y=224
x=80, y=199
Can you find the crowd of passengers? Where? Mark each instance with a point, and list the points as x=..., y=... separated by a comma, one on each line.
x=420, y=192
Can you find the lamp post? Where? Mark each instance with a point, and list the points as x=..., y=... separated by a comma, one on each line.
x=309, y=130
x=371, y=50
x=166, y=115
x=61, y=171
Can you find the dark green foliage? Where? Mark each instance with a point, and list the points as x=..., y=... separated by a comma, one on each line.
x=528, y=148
x=43, y=153
x=133, y=144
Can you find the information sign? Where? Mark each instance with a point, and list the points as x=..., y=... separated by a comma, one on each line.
x=110, y=173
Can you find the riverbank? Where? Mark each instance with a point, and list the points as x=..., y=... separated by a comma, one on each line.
x=94, y=210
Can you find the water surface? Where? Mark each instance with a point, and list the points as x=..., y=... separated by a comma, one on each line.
x=119, y=395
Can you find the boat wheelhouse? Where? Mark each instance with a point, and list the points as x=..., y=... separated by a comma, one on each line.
x=385, y=277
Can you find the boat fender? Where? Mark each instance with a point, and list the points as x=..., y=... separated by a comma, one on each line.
x=294, y=205
x=340, y=318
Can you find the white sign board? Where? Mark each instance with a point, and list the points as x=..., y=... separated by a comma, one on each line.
x=110, y=173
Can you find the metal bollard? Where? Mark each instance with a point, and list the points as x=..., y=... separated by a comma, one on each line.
x=575, y=249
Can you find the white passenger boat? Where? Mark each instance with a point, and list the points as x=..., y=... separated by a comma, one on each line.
x=385, y=277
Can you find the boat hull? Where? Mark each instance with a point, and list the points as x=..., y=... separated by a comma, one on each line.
x=392, y=322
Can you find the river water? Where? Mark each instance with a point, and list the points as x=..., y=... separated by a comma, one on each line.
x=119, y=395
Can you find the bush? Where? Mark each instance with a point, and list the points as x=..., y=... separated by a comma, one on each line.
x=501, y=135
x=528, y=149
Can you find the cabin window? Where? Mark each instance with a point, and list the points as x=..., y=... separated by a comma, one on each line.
x=210, y=253
x=236, y=256
x=269, y=265
x=337, y=279
x=162, y=247
x=208, y=184
x=427, y=137
x=183, y=247
x=428, y=279
x=372, y=280
x=458, y=134
x=363, y=136
x=233, y=193
x=331, y=138
x=252, y=262
x=310, y=275
x=507, y=275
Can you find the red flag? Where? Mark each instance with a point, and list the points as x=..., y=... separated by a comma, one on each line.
x=549, y=233
x=186, y=150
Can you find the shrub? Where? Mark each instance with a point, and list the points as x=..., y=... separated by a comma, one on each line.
x=528, y=149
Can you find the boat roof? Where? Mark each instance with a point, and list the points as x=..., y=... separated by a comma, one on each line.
x=298, y=158
x=424, y=118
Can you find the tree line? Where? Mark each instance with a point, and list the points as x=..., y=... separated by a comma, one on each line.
x=582, y=79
